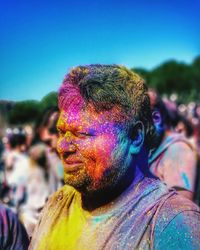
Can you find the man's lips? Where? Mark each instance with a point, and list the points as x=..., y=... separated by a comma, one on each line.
x=72, y=165
x=72, y=162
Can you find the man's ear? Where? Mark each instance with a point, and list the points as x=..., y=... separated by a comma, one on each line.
x=157, y=118
x=137, y=137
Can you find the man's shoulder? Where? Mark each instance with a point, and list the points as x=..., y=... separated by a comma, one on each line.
x=177, y=219
x=182, y=203
x=172, y=206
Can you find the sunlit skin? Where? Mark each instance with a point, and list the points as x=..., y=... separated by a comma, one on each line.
x=94, y=149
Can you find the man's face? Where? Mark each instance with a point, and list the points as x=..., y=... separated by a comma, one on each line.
x=94, y=149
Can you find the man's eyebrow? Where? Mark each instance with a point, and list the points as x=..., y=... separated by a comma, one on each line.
x=63, y=126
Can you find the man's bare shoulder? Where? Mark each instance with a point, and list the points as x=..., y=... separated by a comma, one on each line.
x=180, y=147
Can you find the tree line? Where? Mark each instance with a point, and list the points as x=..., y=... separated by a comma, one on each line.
x=175, y=77
x=29, y=111
x=169, y=77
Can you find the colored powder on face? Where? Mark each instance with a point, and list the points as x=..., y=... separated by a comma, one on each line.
x=99, y=143
x=186, y=181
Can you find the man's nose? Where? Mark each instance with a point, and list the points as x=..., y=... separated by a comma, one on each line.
x=66, y=144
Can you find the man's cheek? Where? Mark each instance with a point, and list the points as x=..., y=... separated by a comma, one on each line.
x=100, y=161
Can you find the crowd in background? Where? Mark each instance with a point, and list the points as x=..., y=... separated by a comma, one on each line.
x=30, y=169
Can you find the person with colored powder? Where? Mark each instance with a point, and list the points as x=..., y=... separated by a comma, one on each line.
x=174, y=160
x=110, y=201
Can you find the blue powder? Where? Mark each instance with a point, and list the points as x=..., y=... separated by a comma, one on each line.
x=186, y=181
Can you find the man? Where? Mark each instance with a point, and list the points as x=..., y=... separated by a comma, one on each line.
x=105, y=131
x=174, y=160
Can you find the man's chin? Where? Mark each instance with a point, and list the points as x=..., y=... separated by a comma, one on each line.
x=85, y=185
x=80, y=184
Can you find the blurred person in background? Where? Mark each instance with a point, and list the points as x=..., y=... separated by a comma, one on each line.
x=16, y=163
x=191, y=122
x=3, y=187
x=174, y=159
x=37, y=188
x=13, y=235
x=48, y=134
x=46, y=171
x=187, y=125
x=184, y=127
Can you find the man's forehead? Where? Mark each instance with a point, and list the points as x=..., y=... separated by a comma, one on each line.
x=80, y=115
x=86, y=116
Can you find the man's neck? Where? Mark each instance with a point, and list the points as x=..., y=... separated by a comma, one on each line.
x=100, y=198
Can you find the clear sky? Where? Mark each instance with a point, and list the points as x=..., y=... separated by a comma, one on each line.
x=41, y=40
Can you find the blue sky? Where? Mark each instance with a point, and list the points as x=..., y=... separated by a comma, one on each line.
x=41, y=40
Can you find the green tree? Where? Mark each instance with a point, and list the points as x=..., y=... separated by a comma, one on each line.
x=23, y=112
x=48, y=101
x=171, y=77
x=175, y=77
x=143, y=73
x=195, y=69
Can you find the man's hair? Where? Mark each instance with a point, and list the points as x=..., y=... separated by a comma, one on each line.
x=107, y=87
